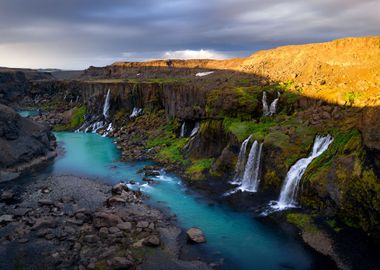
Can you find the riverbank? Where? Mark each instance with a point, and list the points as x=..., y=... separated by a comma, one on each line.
x=49, y=224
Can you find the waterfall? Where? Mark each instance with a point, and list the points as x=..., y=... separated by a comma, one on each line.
x=273, y=105
x=265, y=104
x=239, y=168
x=195, y=129
x=292, y=180
x=182, y=134
x=106, y=107
x=251, y=178
x=136, y=112
x=268, y=111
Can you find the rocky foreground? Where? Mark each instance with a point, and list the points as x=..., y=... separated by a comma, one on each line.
x=52, y=225
x=24, y=144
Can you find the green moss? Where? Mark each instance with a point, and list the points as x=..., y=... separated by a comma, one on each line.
x=351, y=97
x=333, y=225
x=198, y=167
x=172, y=152
x=242, y=129
x=167, y=80
x=302, y=221
x=77, y=119
x=120, y=115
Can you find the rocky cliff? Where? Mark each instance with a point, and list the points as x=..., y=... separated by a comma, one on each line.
x=15, y=83
x=24, y=144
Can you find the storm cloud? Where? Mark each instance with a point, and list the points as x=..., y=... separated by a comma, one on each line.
x=77, y=33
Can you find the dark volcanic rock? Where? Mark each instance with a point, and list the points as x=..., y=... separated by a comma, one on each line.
x=24, y=144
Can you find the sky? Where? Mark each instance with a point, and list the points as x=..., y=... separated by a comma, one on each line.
x=74, y=34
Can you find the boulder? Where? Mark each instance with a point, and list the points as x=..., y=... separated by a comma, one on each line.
x=119, y=188
x=6, y=218
x=152, y=241
x=7, y=196
x=104, y=219
x=119, y=263
x=196, y=235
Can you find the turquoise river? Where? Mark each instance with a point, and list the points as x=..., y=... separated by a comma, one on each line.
x=242, y=241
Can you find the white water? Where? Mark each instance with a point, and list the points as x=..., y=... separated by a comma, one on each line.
x=250, y=181
x=201, y=74
x=239, y=168
x=273, y=105
x=182, y=134
x=136, y=112
x=106, y=107
x=195, y=130
x=265, y=104
x=293, y=178
x=272, y=109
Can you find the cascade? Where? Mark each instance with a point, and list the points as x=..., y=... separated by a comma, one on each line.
x=251, y=175
x=182, y=134
x=273, y=105
x=136, y=112
x=195, y=129
x=265, y=104
x=106, y=106
x=295, y=173
x=239, y=168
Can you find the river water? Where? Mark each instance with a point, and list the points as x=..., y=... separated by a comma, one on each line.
x=237, y=238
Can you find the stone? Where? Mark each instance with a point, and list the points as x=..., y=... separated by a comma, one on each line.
x=23, y=240
x=119, y=263
x=103, y=219
x=91, y=238
x=103, y=232
x=151, y=168
x=152, y=173
x=44, y=222
x=142, y=224
x=125, y=226
x=196, y=235
x=44, y=202
x=152, y=241
x=119, y=188
x=115, y=200
x=7, y=196
x=147, y=179
x=67, y=199
x=6, y=218
x=19, y=212
x=114, y=230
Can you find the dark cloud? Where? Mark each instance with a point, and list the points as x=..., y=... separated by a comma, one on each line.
x=78, y=33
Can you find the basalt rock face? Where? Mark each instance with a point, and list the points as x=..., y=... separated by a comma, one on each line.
x=15, y=83
x=370, y=127
x=184, y=101
x=24, y=144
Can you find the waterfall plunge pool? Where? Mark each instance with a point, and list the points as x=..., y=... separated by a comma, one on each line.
x=241, y=241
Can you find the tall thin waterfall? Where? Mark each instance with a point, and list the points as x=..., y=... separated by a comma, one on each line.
x=106, y=107
x=251, y=178
x=182, y=134
x=195, y=129
x=265, y=104
x=240, y=165
x=292, y=180
x=273, y=105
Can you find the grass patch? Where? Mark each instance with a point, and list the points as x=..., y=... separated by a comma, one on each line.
x=77, y=119
x=200, y=165
x=242, y=129
x=172, y=152
x=302, y=221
